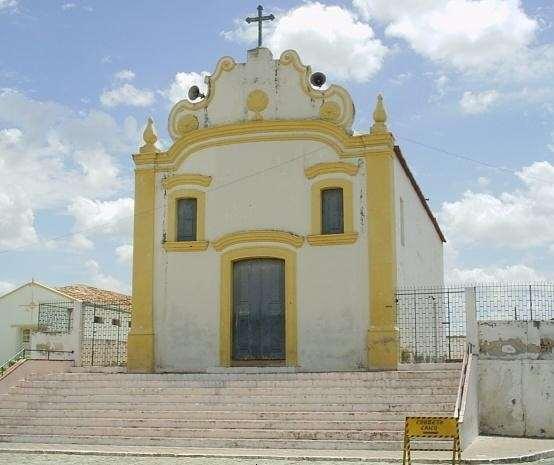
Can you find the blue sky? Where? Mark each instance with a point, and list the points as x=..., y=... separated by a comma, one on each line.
x=470, y=77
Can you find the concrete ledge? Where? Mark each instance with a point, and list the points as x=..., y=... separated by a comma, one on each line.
x=484, y=450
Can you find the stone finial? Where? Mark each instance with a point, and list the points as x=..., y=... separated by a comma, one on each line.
x=379, y=117
x=150, y=138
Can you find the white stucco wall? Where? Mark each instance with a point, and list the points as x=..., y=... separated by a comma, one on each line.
x=516, y=378
x=15, y=313
x=332, y=295
x=420, y=259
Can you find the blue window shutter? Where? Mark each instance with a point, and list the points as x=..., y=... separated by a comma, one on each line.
x=186, y=219
x=332, y=211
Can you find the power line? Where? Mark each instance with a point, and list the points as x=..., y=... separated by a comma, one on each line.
x=278, y=165
x=152, y=210
x=472, y=160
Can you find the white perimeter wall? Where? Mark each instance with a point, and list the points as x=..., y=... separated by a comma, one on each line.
x=420, y=260
x=332, y=294
x=516, y=382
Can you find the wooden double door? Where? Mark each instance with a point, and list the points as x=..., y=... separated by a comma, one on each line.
x=259, y=310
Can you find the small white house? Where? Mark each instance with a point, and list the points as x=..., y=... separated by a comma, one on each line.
x=19, y=311
x=78, y=322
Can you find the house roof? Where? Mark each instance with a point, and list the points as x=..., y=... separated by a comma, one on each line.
x=416, y=187
x=44, y=286
x=93, y=294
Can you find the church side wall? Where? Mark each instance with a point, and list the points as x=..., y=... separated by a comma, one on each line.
x=332, y=295
x=420, y=258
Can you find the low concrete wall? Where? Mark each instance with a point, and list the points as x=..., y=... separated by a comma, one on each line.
x=516, y=378
x=469, y=409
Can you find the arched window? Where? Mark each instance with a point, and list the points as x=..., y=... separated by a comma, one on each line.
x=332, y=211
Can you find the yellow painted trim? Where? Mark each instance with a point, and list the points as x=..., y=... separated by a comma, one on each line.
x=381, y=235
x=226, y=296
x=171, y=211
x=332, y=239
x=186, y=179
x=257, y=236
x=326, y=133
x=348, y=206
x=331, y=168
x=140, y=345
x=186, y=246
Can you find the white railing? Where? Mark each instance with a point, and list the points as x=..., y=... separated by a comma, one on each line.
x=19, y=355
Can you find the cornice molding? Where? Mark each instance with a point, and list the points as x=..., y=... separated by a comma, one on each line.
x=242, y=237
x=186, y=180
x=331, y=168
x=186, y=246
x=332, y=239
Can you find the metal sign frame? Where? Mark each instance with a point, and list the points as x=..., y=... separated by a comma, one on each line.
x=431, y=428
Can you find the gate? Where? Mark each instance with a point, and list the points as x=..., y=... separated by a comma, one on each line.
x=104, y=330
x=432, y=324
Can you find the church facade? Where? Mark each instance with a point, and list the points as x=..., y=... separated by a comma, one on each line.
x=270, y=234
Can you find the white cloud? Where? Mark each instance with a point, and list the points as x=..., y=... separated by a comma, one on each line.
x=6, y=287
x=68, y=6
x=511, y=273
x=178, y=89
x=127, y=94
x=478, y=102
x=551, y=146
x=104, y=281
x=125, y=75
x=330, y=38
x=8, y=5
x=469, y=35
x=81, y=243
x=113, y=217
x=483, y=181
x=49, y=155
x=517, y=220
x=124, y=253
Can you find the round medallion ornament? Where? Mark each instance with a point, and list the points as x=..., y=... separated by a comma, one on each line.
x=257, y=101
x=186, y=124
x=330, y=111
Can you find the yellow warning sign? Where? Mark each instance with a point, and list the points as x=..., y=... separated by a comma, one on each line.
x=431, y=428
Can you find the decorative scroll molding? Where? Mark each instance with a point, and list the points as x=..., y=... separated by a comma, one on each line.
x=332, y=239
x=341, y=114
x=331, y=168
x=186, y=179
x=258, y=236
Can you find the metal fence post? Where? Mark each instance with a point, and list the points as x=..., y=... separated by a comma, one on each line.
x=472, y=329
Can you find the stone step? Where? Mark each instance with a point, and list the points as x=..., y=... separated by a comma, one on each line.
x=7, y=414
x=209, y=433
x=290, y=384
x=338, y=375
x=248, y=406
x=61, y=390
x=444, y=366
x=279, y=424
x=218, y=442
x=230, y=399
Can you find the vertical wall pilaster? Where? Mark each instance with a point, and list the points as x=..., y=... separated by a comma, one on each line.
x=140, y=344
x=382, y=338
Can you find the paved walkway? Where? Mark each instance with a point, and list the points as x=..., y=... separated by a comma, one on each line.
x=483, y=450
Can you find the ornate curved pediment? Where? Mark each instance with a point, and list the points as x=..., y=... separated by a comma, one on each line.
x=261, y=89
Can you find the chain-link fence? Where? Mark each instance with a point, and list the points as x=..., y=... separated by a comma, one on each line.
x=432, y=321
x=515, y=301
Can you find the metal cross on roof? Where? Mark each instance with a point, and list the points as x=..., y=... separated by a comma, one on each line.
x=259, y=20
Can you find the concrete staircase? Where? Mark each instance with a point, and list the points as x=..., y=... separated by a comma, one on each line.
x=271, y=410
